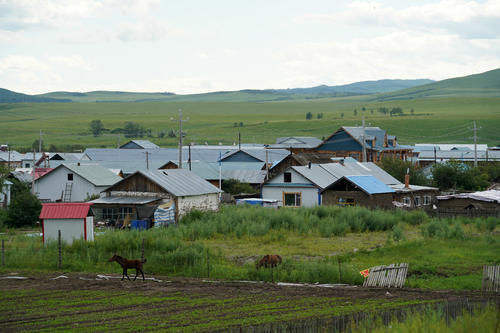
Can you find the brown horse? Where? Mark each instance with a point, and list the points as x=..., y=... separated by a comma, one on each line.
x=269, y=260
x=126, y=264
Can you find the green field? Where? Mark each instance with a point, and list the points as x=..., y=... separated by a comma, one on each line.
x=443, y=120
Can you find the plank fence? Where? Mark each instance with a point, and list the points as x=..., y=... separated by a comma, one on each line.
x=491, y=278
x=393, y=275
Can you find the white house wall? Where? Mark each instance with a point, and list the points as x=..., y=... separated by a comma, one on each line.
x=275, y=188
x=90, y=228
x=70, y=229
x=202, y=202
x=52, y=185
x=309, y=195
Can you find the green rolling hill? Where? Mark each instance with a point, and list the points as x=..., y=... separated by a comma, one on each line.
x=247, y=95
x=485, y=84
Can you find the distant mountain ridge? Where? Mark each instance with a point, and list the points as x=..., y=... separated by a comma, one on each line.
x=485, y=84
x=255, y=95
x=7, y=96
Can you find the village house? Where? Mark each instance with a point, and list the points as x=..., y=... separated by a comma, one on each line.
x=348, y=142
x=139, y=195
x=344, y=183
x=74, y=182
x=482, y=203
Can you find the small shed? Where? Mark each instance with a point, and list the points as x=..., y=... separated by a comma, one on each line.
x=75, y=220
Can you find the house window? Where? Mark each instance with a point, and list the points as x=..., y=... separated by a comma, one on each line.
x=287, y=177
x=27, y=165
x=70, y=176
x=417, y=201
x=346, y=202
x=406, y=201
x=427, y=200
x=292, y=199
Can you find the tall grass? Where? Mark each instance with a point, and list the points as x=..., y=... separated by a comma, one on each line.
x=431, y=320
x=182, y=250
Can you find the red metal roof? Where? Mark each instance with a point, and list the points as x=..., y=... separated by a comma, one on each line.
x=66, y=210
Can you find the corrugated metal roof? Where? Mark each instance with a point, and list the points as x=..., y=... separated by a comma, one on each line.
x=360, y=169
x=488, y=196
x=246, y=176
x=94, y=173
x=316, y=174
x=65, y=210
x=296, y=142
x=180, y=182
x=369, y=184
x=146, y=144
x=125, y=200
x=164, y=155
x=412, y=188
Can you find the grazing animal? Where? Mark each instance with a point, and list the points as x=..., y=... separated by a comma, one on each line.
x=269, y=260
x=126, y=264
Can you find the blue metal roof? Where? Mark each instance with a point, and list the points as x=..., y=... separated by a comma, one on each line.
x=370, y=184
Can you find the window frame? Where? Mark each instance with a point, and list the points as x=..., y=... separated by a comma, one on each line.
x=297, y=195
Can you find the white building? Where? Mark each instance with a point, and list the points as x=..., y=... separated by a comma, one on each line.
x=74, y=220
x=74, y=182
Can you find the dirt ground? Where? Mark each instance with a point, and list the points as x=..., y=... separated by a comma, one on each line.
x=220, y=289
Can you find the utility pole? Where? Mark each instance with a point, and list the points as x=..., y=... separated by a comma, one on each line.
x=40, y=143
x=189, y=157
x=475, y=145
x=180, y=137
x=239, y=140
x=33, y=174
x=364, y=141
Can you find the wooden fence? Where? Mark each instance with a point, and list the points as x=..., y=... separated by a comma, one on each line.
x=393, y=275
x=491, y=278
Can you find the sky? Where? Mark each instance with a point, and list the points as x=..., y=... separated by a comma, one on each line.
x=203, y=46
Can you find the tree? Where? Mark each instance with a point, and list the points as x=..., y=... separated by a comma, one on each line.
x=342, y=115
x=397, y=168
x=96, y=127
x=355, y=112
x=133, y=129
x=24, y=209
x=309, y=116
x=319, y=115
x=36, y=145
x=234, y=186
x=457, y=175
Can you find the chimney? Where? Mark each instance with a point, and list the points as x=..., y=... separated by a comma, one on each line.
x=342, y=161
x=407, y=178
x=309, y=165
x=78, y=163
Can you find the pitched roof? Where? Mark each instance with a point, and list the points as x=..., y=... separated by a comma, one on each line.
x=178, y=182
x=296, y=142
x=65, y=210
x=93, y=173
x=144, y=144
x=488, y=196
x=369, y=184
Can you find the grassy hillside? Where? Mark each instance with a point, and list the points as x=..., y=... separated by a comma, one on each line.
x=433, y=120
x=7, y=96
x=484, y=84
x=248, y=95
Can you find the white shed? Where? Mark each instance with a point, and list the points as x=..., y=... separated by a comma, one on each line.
x=75, y=220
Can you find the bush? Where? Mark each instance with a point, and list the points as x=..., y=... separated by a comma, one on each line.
x=23, y=210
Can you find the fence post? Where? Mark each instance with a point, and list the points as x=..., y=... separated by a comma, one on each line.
x=208, y=263
x=142, y=250
x=3, y=252
x=59, y=263
x=340, y=270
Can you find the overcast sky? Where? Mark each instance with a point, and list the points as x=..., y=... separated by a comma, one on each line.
x=201, y=46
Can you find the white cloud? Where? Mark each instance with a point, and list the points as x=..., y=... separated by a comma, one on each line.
x=396, y=55
x=73, y=62
x=467, y=18
x=25, y=14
